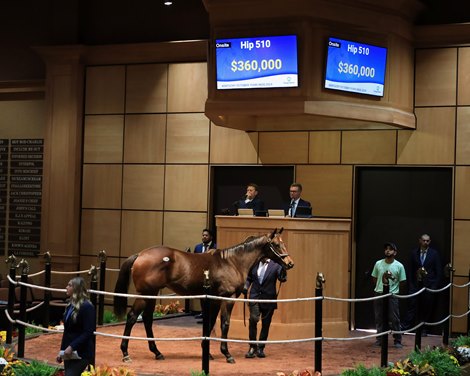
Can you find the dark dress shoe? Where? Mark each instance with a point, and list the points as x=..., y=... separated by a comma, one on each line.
x=261, y=354
x=251, y=353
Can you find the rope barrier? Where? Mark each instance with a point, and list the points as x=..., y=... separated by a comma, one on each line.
x=217, y=339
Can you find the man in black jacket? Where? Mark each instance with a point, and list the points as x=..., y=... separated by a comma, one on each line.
x=262, y=278
x=425, y=270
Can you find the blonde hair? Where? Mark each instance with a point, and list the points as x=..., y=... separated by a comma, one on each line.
x=79, y=295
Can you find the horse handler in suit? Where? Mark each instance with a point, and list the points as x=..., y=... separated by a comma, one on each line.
x=425, y=270
x=262, y=279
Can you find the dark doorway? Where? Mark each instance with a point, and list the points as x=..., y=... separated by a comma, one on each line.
x=398, y=204
x=229, y=185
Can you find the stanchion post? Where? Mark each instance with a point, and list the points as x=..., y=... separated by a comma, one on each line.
x=102, y=257
x=93, y=286
x=47, y=293
x=468, y=305
x=385, y=327
x=206, y=319
x=421, y=273
x=11, y=297
x=23, y=293
x=320, y=280
x=449, y=273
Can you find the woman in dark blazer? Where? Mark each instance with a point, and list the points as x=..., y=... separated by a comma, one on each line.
x=77, y=349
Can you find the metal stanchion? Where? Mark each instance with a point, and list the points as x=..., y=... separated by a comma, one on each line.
x=23, y=293
x=448, y=272
x=320, y=280
x=421, y=273
x=206, y=319
x=11, y=297
x=102, y=257
x=47, y=293
x=93, y=286
x=385, y=327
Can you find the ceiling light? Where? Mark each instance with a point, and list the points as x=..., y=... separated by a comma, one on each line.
x=168, y=3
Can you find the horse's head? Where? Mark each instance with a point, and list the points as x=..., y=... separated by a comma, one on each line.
x=276, y=250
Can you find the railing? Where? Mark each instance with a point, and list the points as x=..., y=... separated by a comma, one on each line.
x=97, y=295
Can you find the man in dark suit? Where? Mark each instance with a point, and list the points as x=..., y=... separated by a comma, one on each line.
x=424, y=270
x=207, y=242
x=251, y=199
x=295, y=191
x=262, y=278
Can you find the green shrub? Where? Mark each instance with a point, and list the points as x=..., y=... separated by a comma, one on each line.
x=109, y=317
x=199, y=373
x=461, y=341
x=441, y=360
x=361, y=370
x=34, y=368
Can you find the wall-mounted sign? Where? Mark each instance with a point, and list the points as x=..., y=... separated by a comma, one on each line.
x=256, y=63
x=355, y=67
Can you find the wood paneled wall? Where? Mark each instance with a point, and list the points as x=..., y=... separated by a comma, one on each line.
x=148, y=150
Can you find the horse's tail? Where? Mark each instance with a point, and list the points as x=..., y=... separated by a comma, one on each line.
x=122, y=286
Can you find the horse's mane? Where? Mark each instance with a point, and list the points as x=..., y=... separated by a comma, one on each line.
x=248, y=245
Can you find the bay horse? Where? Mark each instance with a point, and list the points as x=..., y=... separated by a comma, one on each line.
x=157, y=267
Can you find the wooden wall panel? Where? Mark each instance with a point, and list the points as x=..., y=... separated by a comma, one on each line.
x=460, y=306
x=187, y=138
x=436, y=77
x=461, y=259
x=462, y=192
x=187, y=87
x=433, y=141
x=146, y=88
x=100, y=230
x=183, y=230
x=463, y=94
x=103, y=139
x=233, y=146
x=283, y=147
x=102, y=186
x=324, y=147
x=186, y=187
x=462, y=152
x=105, y=90
x=142, y=187
x=144, y=139
x=328, y=188
x=369, y=147
x=140, y=230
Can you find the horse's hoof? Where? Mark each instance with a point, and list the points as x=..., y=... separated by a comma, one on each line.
x=159, y=357
x=230, y=360
x=127, y=359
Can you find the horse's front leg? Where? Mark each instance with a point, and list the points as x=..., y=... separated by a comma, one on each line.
x=131, y=319
x=225, y=314
x=147, y=317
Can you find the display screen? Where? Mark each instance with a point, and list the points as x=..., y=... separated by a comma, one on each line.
x=355, y=67
x=253, y=63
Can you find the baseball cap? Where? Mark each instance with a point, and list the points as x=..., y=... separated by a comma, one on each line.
x=392, y=245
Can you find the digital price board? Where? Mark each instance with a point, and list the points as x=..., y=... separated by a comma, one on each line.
x=252, y=63
x=355, y=67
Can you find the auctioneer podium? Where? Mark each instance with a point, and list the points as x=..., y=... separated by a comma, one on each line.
x=315, y=245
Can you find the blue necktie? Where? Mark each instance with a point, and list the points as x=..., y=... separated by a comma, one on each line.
x=423, y=257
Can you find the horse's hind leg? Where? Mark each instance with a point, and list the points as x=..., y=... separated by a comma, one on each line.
x=225, y=313
x=132, y=317
x=147, y=316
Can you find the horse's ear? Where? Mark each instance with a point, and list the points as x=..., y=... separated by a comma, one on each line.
x=281, y=230
x=273, y=234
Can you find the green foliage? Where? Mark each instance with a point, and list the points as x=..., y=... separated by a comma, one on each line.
x=34, y=368
x=199, y=373
x=29, y=330
x=439, y=359
x=361, y=370
x=109, y=317
x=461, y=341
